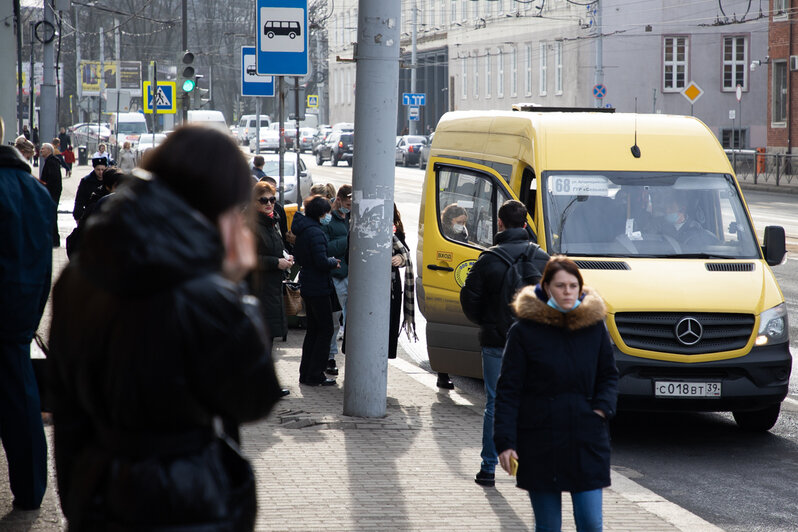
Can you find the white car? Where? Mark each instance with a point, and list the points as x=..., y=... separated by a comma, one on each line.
x=269, y=140
x=272, y=169
x=146, y=142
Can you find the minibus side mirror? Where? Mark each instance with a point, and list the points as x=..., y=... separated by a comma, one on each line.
x=774, y=245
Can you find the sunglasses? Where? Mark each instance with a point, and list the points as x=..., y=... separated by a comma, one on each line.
x=266, y=201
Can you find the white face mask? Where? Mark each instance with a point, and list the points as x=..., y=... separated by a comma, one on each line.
x=458, y=228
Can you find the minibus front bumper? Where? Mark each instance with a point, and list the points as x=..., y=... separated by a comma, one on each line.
x=751, y=382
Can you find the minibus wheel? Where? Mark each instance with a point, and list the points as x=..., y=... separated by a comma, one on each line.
x=758, y=420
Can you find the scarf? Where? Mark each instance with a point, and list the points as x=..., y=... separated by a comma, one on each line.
x=408, y=302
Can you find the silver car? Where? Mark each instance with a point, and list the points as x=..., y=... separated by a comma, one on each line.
x=272, y=169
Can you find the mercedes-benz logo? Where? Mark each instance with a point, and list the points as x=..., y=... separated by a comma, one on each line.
x=688, y=331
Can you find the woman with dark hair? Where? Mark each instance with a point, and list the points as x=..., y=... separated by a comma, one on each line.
x=273, y=260
x=557, y=390
x=400, y=258
x=316, y=287
x=157, y=353
x=453, y=222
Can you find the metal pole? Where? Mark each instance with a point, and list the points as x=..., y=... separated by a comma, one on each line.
x=740, y=123
x=102, y=86
x=184, y=42
x=296, y=139
x=154, y=92
x=599, y=75
x=412, y=125
x=48, y=129
x=377, y=79
x=31, y=93
x=20, y=105
x=78, y=70
x=281, y=143
x=257, y=126
x=118, y=88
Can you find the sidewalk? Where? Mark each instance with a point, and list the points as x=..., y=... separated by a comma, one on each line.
x=317, y=469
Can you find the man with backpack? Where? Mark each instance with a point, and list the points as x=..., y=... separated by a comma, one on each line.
x=498, y=274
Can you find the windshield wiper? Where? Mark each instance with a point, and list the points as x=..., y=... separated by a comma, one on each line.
x=700, y=256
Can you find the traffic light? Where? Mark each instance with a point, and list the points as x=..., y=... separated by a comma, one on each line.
x=186, y=79
x=200, y=94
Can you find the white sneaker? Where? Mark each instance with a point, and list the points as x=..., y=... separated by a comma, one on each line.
x=340, y=335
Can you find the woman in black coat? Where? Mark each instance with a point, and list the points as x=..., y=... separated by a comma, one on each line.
x=316, y=287
x=273, y=260
x=157, y=354
x=557, y=389
x=398, y=260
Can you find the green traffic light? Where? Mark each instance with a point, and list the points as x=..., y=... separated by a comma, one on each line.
x=188, y=85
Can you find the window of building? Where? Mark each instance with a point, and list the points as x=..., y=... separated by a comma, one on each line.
x=513, y=71
x=780, y=7
x=674, y=64
x=348, y=87
x=528, y=71
x=558, y=67
x=542, y=67
x=463, y=78
x=476, y=76
x=733, y=138
x=735, y=63
x=453, y=16
x=779, y=91
x=500, y=72
x=464, y=10
x=488, y=74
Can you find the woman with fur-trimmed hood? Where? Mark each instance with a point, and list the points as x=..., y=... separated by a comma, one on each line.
x=557, y=389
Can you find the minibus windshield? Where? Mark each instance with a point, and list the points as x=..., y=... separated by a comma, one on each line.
x=644, y=214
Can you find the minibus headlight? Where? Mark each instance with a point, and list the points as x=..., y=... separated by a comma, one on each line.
x=773, y=326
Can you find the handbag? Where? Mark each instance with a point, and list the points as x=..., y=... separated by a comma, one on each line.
x=292, y=299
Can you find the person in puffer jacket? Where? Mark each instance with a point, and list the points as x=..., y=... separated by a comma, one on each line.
x=157, y=354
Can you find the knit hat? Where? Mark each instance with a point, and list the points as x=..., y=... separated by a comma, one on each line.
x=99, y=161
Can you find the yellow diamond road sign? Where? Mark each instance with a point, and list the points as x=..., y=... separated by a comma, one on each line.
x=692, y=92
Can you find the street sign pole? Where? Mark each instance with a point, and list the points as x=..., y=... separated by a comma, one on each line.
x=297, y=147
x=281, y=142
x=257, y=126
x=373, y=173
x=739, y=94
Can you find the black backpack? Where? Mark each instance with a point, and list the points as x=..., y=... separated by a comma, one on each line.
x=521, y=271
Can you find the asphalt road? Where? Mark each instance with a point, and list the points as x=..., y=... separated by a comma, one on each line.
x=702, y=462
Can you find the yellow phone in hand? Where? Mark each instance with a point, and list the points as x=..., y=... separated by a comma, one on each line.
x=513, y=466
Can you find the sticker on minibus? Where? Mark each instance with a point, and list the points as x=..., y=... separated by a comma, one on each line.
x=577, y=185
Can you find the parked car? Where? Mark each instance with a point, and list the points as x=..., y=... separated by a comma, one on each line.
x=306, y=138
x=272, y=169
x=339, y=146
x=423, y=155
x=408, y=148
x=90, y=135
x=269, y=140
x=146, y=143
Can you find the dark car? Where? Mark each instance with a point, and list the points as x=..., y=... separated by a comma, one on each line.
x=339, y=146
x=423, y=157
x=408, y=148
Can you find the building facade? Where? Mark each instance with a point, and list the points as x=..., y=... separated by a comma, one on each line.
x=781, y=63
x=490, y=54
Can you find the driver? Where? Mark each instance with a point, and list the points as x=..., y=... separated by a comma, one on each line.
x=687, y=231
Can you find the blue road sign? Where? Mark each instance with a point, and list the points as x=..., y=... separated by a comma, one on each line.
x=413, y=98
x=599, y=91
x=282, y=44
x=164, y=97
x=252, y=83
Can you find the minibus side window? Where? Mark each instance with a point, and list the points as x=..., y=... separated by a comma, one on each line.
x=467, y=206
x=528, y=191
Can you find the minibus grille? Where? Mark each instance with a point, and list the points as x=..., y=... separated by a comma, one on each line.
x=602, y=265
x=685, y=333
x=730, y=266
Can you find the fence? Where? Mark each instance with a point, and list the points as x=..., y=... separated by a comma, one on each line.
x=752, y=166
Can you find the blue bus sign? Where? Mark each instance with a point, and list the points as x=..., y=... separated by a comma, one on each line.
x=252, y=83
x=282, y=43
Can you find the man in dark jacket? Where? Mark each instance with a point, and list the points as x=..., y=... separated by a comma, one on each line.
x=51, y=177
x=25, y=269
x=337, y=232
x=481, y=304
x=87, y=185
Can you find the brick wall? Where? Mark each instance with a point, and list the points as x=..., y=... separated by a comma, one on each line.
x=780, y=47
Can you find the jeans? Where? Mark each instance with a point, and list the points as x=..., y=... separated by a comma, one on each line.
x=548, y=510
x=342, y=290
x=491, y=366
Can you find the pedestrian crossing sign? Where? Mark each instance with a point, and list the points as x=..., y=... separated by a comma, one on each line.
x=164, y=97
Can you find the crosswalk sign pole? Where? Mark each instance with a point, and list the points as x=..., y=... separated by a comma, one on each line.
x=153, y=92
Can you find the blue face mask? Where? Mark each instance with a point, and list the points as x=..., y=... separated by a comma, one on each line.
x=344, y=210
x=553, y=304
x=326, y=219
x=672, y=217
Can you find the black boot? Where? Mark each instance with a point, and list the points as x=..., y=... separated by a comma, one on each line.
x=332, y=369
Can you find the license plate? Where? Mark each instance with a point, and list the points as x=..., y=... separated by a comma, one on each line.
x=686, y=389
